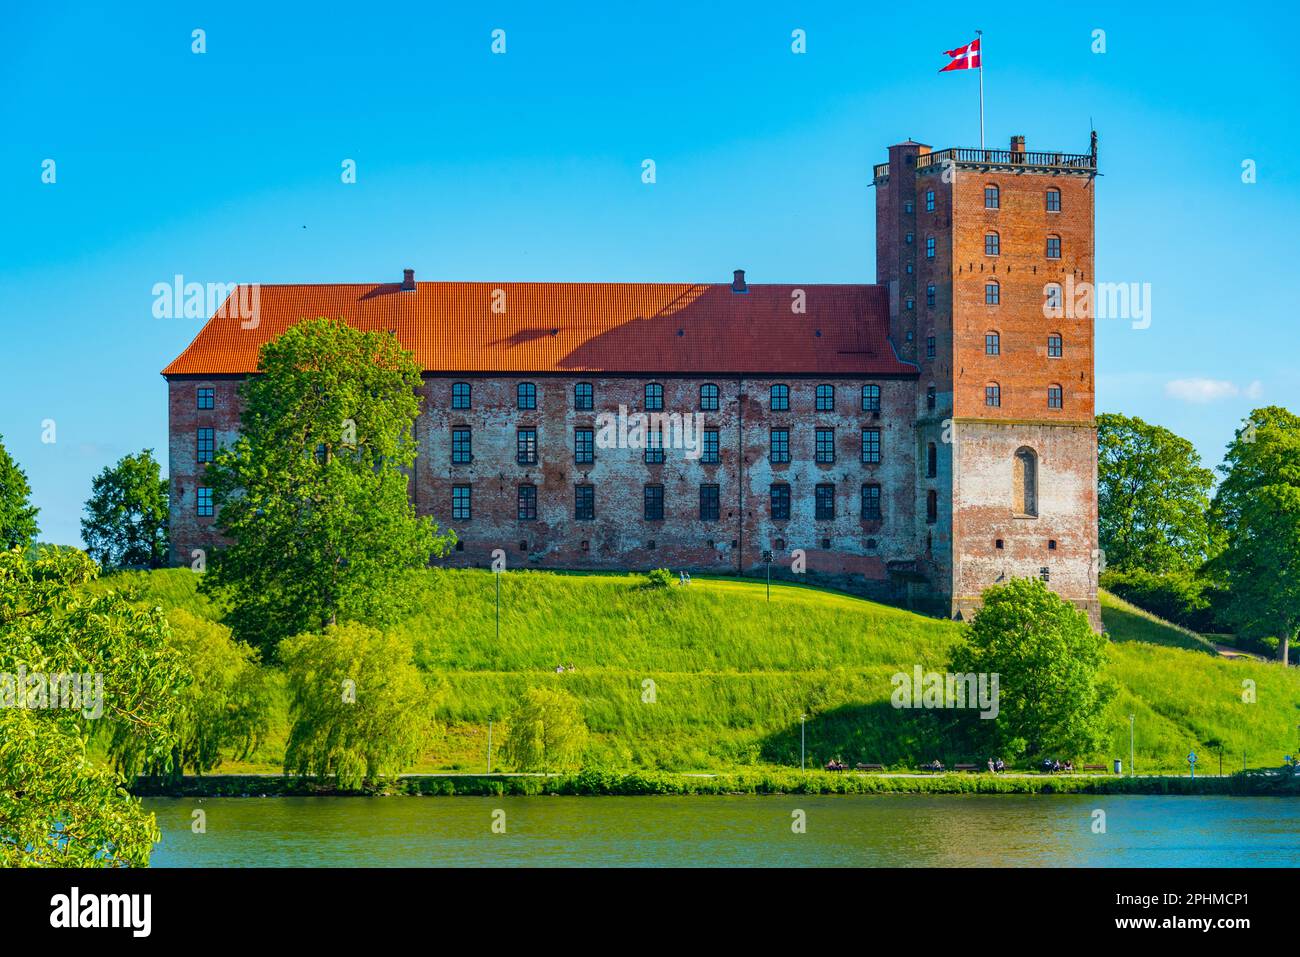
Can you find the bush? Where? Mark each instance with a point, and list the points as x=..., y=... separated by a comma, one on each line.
x=546, y=732
x=1184, y=598
x=659, y=578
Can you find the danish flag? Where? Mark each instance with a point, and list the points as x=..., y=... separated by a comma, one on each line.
x=964, y=58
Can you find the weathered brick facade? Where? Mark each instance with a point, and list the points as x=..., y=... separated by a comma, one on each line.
x=969, y=493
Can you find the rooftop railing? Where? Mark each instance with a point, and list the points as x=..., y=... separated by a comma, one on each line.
x=979, y=157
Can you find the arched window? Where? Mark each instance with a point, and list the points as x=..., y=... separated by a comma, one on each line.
x=992, y=197
x=993, y=394
x=1054, y=349
x=992, y=293
x=709, y=397
x=1055, y=397
x=1053, y=247
x=992, y=344
x=1052, y=303
x=1024, y=483
x=929, y=247
x=1053, y=200
x=992, y=244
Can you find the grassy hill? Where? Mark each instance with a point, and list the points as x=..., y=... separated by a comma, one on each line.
x=732, y=673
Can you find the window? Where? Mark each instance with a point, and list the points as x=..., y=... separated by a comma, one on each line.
x=929, y=295
x=708, y=397
x=780, y=445
x=527, y=395
x=584, y=397
x=204, y=501
x=654, y=447
x=930, y=398
x=826, y=398
x=710, y=506
x=654, y=503
x=871, y=445
x=460, y=395
x=992, y=294
x=930, y=347
x=825, y=445
x=911, y=303
x=931, y=507
x=321, y=455
x=932, y=461
x=780, y=398
x=929, y=247
x=1045, y=573
x=1052, y=304
x=929, y=201
x=993, y=394
x=1054, y=346
x=992, y=344
x=908, y=239
x=1054, y=396
x=825, y=502
x=992, y=197
x=1024, y=482
x=709, y=454
x=907, y=206
x=871, y=503
x=1053, y=200
x=1053, y=247
x=527, y=503
x=871, y=398
x=206, y=445
x=780, y=501
x=992, y=244
x=584, y=503
x=460, y=445
x=460, y=503
x=654, y=397
x=526, y=447
x=584, y=446
x=207, y=398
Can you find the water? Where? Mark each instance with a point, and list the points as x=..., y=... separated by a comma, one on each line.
x=842, y=831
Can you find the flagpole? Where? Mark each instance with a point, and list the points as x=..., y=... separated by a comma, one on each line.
x=980, y=34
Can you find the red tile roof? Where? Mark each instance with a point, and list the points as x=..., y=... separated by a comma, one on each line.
x=563, y=327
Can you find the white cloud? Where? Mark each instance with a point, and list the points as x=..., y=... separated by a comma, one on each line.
x=1202, y=391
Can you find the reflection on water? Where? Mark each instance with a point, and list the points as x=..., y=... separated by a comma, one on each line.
x=841, y=831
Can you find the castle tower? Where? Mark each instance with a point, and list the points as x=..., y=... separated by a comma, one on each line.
x=986, y=253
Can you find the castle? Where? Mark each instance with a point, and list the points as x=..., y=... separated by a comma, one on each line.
x=915, y=440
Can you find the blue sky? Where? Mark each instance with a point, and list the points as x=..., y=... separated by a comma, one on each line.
x=225, y=166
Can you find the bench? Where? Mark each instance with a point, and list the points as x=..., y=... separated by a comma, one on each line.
x=1096, y=767
x=870, y=767
x=965, y=767
x=931, y=770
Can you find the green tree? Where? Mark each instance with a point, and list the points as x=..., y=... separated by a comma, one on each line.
x=359, y=706
x=1152, y=497
x=545, y=732
x=314, y=494
x=17, y=515
x=1049, y=663
x=125, y=524
x=58, y=806
x=226, y=708
x=1256, y=515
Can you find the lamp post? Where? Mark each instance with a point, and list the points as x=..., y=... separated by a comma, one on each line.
x=801, y=741
x=489, y=770
x=1130, y=745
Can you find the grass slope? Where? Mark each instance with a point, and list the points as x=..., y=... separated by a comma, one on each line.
x=732, y=673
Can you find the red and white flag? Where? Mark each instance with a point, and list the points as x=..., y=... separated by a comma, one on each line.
x=964, y=58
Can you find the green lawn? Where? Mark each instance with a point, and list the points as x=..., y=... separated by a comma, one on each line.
x=732, y=673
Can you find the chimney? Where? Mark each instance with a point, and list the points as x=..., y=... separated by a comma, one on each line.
x=738, y=281
x=408, y=279
x=1018, y=144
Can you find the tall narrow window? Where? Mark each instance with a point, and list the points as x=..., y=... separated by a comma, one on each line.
x=931, y=398
x=992, y=244
x=992, y=344
x=993, y=394
x=710, y=504
x=584, y=503
x=460, y=446
x=460, y=395
x=527, y=503
x=584, y=446
x=708, y=397
x=929, y=247
x=780, y=495
x=871, y=445
x=526, y=447
x=1054, y=346
x=654, y=503
x=931, y=347
x=780, y=398
x=1053, y=200
x=992, y=294
x=1024, y=483
x=654, y=397
x=932, y=461
x=527, y=395
x=1052, y=299
x=824, y=502
x=1054, y=397
x=826, y=398
x=461, y=508
x=929, y=201
x=709, y=453
x=992, y=197
x=931, y=507
x=584, y=397
x=825, y=445
x=871, y=503
x=780, y=446
x=654, y=447
x=204, y=501
x=871, y=398
x=207, y=445
x=1053, y=247
x=206, y=398
x=930, y=295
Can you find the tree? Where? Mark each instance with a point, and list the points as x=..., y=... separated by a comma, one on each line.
x=313, y=495
x=1049, y=663
x=17, y=515
x=545, y=732
x=125, y=524
x=1152, y=497
x=70, y=655
x=226, y=708
x=1256, y=515
x=359, y=706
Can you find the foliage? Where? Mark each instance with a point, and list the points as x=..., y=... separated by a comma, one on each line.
x=546, y=732
x=1049, y=661
x=226, y=709
x=313, y=494
x=359, y=706
x=1257, y=516
x=1184, y=598
x=659, y=578
x=17, y=514
x=1152, y=497
x=58, y=807
x=125, y=524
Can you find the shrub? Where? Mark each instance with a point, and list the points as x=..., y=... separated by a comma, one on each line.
x=546, y=732
x=1184, y=598
x=659, y=578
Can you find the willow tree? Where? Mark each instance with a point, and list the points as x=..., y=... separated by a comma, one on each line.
x=313, y=495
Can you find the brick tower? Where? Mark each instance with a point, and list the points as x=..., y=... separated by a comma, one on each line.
x=983, y=252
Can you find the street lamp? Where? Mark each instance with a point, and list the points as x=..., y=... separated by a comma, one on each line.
x=801, y=740
x=1130, y=745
